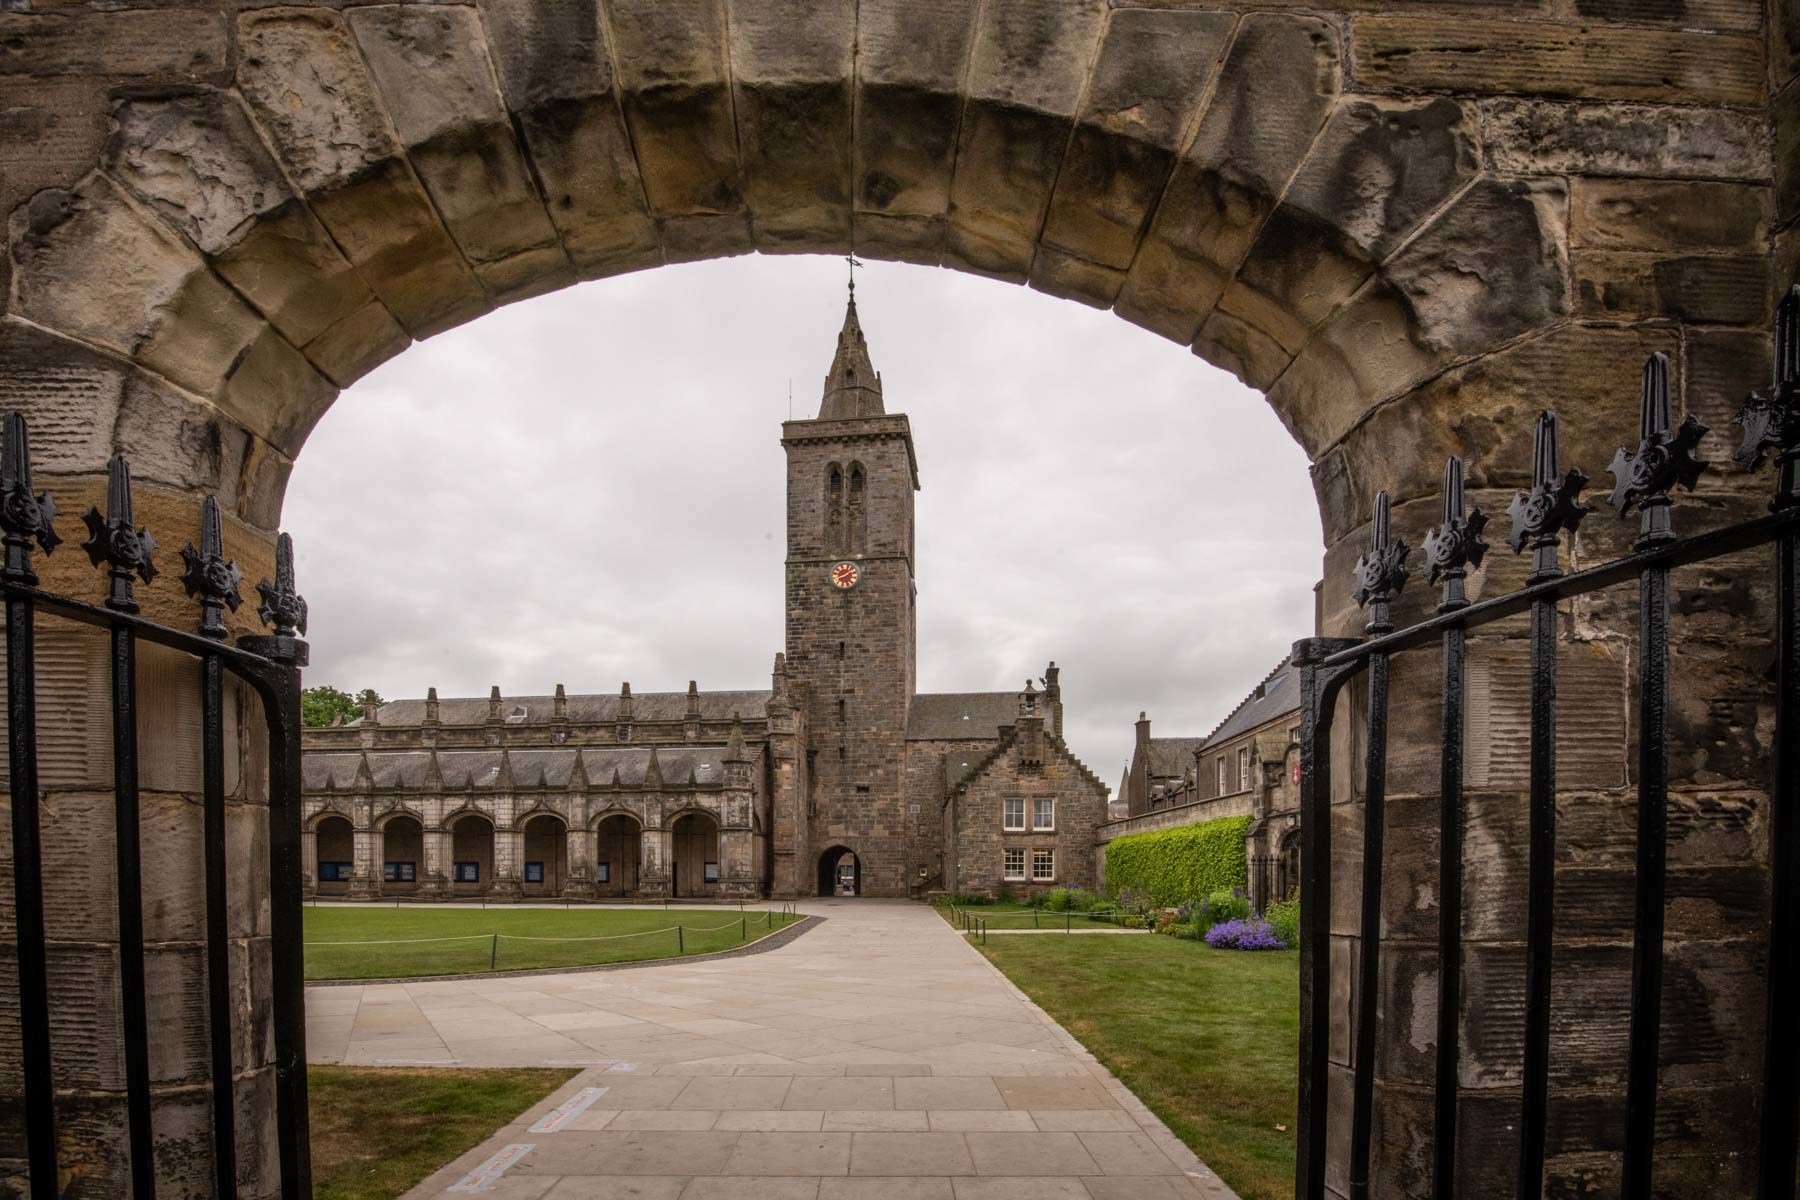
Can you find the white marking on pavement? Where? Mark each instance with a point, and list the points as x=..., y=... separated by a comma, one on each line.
x=488, y=1173
x=417, y=1062
x=568, y=1110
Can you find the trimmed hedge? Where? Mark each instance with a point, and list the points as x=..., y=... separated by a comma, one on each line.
x=1173, y=866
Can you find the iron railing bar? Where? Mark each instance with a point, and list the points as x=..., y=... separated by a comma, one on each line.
x=240, y=660
x=1450, y=892
x=132, y=988
x=28, y=900
x=218, y=945
x=1539, y=521
x=1652, y=847
x=1362, y=1113
x=1540, y=917
x=278, y=684
x=1319, y=687
x=1781, y=1064
x=1744, y=536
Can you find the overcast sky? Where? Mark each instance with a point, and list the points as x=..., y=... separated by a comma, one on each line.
x=589, y=487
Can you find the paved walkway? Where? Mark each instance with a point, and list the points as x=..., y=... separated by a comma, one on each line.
x=878, y=1057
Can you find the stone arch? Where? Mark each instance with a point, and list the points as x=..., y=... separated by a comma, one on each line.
x=855, y=518
x=472, y=859
x=334, y=853
x=402, y=850
x=1335, y=251
x=544, y=842
x=836, y=539
x=619, y=837
x=695, y=862
x=831, y=874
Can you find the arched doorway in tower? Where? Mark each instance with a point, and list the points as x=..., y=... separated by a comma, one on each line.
x=621, y=841
x=546, y=845
x=696, y=865
x=840, y=872
x=402, y=850
x=471, y=855
x=335, y=859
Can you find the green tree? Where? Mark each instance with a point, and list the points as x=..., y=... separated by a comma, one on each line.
x=320, y=706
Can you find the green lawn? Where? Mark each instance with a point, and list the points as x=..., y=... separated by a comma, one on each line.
x=1209, y=1039
x=394, y=942
x=376, y=1131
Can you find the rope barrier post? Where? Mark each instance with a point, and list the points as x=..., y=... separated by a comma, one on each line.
x=743, y=928
x=494, y=954
x=1034, y=918
x=1069, y=922
x=680, y=941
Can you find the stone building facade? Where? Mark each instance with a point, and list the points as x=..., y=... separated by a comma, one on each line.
x=1248, y=766
x=841, y=777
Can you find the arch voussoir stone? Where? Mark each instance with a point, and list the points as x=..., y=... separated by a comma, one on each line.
x=314, y=100
x=1275, y=89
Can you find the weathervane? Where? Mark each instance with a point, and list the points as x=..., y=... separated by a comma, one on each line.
x=854, y=263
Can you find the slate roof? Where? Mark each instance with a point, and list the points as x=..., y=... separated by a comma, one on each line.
x=645, y=706
x=481, y=768
x=968, y=716
x=1170, y=757
x=1275, y=697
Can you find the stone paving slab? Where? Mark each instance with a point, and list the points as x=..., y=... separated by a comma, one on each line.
x=879, y=1058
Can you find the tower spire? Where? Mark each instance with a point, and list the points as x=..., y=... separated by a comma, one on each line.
x=852, y=386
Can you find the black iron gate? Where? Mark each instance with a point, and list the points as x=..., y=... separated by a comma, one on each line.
x=270, y=666
x=1664, y=459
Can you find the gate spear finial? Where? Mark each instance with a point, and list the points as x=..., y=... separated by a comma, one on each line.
x=1552, y=506
x=1456, y=544
x=283, y=608
x=24, y=517
x=1382, y=571
x=208, y=574
x=115, y=541
x=1771, y=420
x=1663, y=459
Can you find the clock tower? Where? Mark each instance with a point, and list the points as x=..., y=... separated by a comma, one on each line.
x=851, y=475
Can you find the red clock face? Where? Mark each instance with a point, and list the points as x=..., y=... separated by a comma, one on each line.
x=845, y=576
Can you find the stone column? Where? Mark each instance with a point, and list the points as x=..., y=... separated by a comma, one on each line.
x=309, y=861
x=579, y=880
x=737, y=866
x=365, y=875
x=509, y=858
x=434, y=876
x=656, y=852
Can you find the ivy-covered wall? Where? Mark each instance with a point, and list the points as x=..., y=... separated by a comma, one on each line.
x=1185, y=863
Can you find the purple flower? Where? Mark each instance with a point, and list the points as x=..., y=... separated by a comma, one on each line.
x=1244, y=933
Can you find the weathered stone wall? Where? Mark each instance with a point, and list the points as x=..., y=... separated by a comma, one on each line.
x=1409, y=228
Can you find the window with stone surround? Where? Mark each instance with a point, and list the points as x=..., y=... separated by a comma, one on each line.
x=1221, y=774
x=1244, y=768
x=1043, y=813
x=1014, y=862
x=1043, y=865
x=1013, y=816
